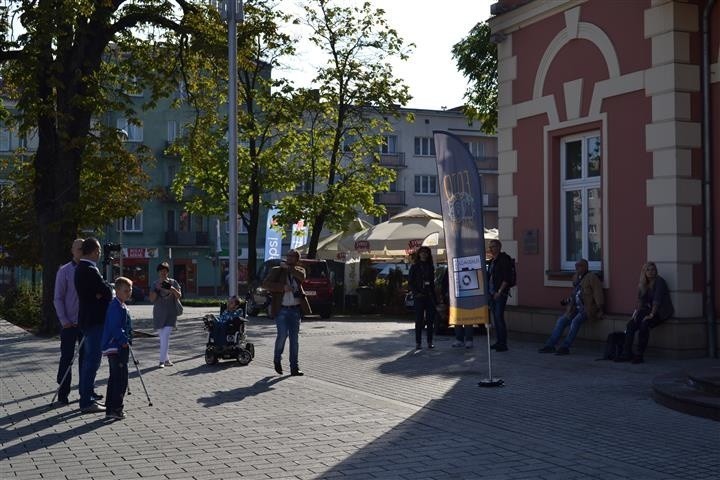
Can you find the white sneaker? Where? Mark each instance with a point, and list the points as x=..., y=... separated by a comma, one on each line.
x=162, y=365
x=468, y=344
x=457, y=344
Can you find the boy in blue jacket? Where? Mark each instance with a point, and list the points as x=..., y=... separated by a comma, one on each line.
x=117, y=336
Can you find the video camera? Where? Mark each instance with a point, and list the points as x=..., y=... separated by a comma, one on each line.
x=110, y=251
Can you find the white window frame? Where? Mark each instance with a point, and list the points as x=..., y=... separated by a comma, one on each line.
x=5, y=135
x=428, y=185
x=424, y=146
x=389, y=144
x=131, y=224
x=134, y=132
x=583, y=184
x=477, y=149
x=172, y=130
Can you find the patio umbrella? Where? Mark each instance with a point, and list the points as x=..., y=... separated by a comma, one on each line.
x=327, y=248
x=395, y=237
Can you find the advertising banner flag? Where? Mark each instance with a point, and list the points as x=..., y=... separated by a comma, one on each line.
x=462, y=208
x=299, y=235
x=273, y=237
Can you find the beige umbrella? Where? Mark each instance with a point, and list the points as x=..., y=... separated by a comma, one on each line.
x=327, y=248
x=396, y=237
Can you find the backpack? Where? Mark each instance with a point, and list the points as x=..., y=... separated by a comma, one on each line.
x=614, y=346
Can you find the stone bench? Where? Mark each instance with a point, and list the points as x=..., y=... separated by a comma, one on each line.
x=676, y=337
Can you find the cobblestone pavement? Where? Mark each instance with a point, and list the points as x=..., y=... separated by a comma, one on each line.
x=369, y=407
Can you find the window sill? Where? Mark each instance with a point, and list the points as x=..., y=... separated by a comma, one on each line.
x=567, y=274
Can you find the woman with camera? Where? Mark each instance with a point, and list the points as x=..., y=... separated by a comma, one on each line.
x=164, y=294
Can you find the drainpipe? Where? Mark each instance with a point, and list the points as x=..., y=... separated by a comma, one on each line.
x=707, y=185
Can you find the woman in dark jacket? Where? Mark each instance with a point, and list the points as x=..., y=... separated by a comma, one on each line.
x=421, y=282
x=654, y=307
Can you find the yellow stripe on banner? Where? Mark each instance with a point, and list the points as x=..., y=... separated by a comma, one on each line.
x=465, y=316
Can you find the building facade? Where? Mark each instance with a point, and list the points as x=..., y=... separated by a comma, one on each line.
x=602, y=156
x=165, y=231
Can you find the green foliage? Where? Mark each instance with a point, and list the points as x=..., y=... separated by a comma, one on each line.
x=19, y=234
x=345, y=116
x=267, y=120
x=476, y=58
x=21, y=306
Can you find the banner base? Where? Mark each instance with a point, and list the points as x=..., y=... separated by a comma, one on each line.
x=491, y=382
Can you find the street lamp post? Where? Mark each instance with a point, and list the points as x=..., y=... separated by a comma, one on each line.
x=234, y=15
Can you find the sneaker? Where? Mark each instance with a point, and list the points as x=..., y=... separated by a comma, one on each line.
x=63, y=400
x=458, y=344
x=418, y=346
x=168, y=363
x=296, y=372
x=431, y=345
x=637, y=359
x=563, y=351
x=115, y=415
x=95, y=397
x=93, y=408
x=278, y=368
x=469, y=344
x=547, y=349
x=162, y=365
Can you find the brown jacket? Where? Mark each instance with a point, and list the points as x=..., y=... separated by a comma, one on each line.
x=275, y=283
x=592, y=297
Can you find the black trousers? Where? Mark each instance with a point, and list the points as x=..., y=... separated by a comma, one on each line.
x=69, y=338
x=118, y=381
x=642, y=328
x=424, y=317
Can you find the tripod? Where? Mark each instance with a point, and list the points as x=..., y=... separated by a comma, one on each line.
x=67, y=372
x=137, y=367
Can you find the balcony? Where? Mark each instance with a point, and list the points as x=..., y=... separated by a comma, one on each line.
x=393, y=160
x=487, y=163
x=189, y=239
x=390, y=198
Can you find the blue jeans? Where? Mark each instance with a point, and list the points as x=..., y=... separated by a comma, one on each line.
x=562, y=323
x=288, y=325
x=69, y=337
x=464, y=333
x=91, y=362
x=118, y=380
x=497, y=307
x=424, y=317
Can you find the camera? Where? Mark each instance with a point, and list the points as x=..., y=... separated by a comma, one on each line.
x=110, y=251
x=166, y=284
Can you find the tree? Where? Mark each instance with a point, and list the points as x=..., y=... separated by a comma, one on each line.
x=69, y=65
x=476, y=58
x=345, y=117
x=267, y=120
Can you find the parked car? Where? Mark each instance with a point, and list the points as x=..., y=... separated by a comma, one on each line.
x=318, y=287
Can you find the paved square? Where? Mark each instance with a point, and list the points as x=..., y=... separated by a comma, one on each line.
x=369, y=407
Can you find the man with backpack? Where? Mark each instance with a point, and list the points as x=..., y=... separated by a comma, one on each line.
x=586, y=301
x=501, y=277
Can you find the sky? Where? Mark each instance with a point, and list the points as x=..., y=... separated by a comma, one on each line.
x=434, y=27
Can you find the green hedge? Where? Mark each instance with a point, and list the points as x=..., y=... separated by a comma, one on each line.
x=22, y=306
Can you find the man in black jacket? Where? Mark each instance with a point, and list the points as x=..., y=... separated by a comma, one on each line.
x=499, y=283
x=94, y=295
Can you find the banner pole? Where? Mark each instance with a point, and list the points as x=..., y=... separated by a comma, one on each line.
x=490, y=381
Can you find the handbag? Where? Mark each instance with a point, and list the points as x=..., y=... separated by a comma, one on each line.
x=178, y=307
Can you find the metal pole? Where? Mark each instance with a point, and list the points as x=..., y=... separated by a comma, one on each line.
x=232, y=147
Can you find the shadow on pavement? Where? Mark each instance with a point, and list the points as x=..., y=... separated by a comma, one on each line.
x=263, y=385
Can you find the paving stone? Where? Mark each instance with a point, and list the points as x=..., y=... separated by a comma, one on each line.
x=369, y=407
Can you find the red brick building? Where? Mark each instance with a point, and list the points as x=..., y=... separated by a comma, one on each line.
x=602, y=155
